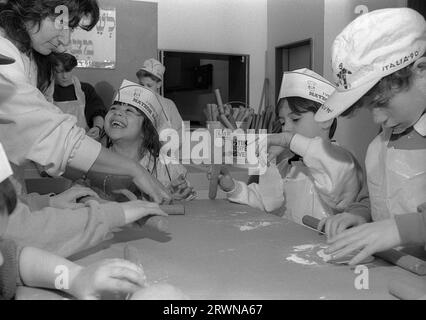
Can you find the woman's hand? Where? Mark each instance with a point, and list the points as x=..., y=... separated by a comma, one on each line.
x=369, y=237
x=68, y=199
x=338, y=223
x=152, y=187
x=107, y=276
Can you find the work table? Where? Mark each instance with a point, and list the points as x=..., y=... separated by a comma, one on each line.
x=220, y=250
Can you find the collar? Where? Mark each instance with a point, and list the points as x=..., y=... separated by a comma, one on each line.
x=420, y=125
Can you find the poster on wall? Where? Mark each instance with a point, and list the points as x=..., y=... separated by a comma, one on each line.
x=96, y=48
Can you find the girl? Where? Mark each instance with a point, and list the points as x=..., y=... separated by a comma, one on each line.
x=37, y=268
x=132, y=126
x=326, y=177
x=34, y=129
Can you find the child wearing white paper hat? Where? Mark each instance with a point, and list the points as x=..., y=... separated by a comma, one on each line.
x=151, y=76
x=379, y=63
x=132, y=125
x=326, y=179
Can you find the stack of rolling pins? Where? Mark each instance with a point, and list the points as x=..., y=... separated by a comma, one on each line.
x=229, y=117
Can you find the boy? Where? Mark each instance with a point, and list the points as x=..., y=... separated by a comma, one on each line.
x=378, y=62
x=151, y=76
x=326, y=179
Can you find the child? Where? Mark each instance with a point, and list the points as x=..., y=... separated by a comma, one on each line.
x=328, y=177
x=78, y=99
x=378, y=62
x=37, y=268
x=151, y=76
x=132, y=126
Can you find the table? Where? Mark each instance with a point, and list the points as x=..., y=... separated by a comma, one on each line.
x=220, y=250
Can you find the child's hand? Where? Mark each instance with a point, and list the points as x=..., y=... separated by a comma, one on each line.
x=138, y=209
x=94, y=133
x=338, y=223
x=68, y=199
x=282, y=139
x=161, y=291
x=180, y=189
x=108, y=276
x=370, y=237
x=226, y=182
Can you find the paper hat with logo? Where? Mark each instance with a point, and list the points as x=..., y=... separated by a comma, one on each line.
x=153, y=67
x=374, y=45
x=5, y=169
x=142, y=99
x=306, y=84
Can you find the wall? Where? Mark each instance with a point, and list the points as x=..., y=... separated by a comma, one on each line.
x=355, y=133
x=217, y=26
x=291, y=21
x=136, y=41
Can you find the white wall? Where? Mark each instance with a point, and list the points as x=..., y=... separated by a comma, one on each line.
x=291, y=21
x=219, y=26
x=355, y=133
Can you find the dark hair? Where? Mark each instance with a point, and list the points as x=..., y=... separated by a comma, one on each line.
x=385, y=89
x=66, y=60
x=8, y=199
x=299, y=105
x=151, y=139
x=14, y=14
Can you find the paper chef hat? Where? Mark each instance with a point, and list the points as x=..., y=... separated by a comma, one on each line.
x=306, y=84
x=142, y=99
x=5, y=169
x=153, y=67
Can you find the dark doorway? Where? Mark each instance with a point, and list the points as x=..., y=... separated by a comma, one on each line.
x=191, y=78
x=291, y=57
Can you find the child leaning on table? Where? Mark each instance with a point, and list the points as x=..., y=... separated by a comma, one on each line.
x=37, y=268
x=379, y=63
x=325, y=179
x=133, y=126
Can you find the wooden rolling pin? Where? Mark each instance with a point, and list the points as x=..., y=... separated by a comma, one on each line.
x=411, y=288
x=214, y=180
x=398, y=258
x=173, y=209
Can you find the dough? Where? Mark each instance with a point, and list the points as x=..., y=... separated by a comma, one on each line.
x=161, y=291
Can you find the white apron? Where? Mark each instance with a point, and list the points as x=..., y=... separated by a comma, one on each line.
x=76, y=107
x=396, y=178
x=297, y=182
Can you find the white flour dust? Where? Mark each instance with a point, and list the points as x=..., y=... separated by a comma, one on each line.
x=253, y=225
x=308, y=254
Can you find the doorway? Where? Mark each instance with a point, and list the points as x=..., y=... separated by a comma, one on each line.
x=290, y=57
x=191, y=78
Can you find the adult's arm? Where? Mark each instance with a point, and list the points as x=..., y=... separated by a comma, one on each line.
x=34, y=129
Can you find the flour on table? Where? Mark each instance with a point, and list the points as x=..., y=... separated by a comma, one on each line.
x=294, y=258
x=308, y=254
x=253, y=225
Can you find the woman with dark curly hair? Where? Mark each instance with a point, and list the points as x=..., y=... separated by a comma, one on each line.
x=31, y=127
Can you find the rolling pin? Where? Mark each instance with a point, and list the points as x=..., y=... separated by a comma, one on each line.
x=214, y=180
x=158, y=223
x=173, y=209
x=398, y=258
x=408, y=288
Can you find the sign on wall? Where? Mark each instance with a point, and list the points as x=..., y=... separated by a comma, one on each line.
x=96, y=48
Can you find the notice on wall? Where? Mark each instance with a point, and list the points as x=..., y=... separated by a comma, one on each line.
x=96, y=48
